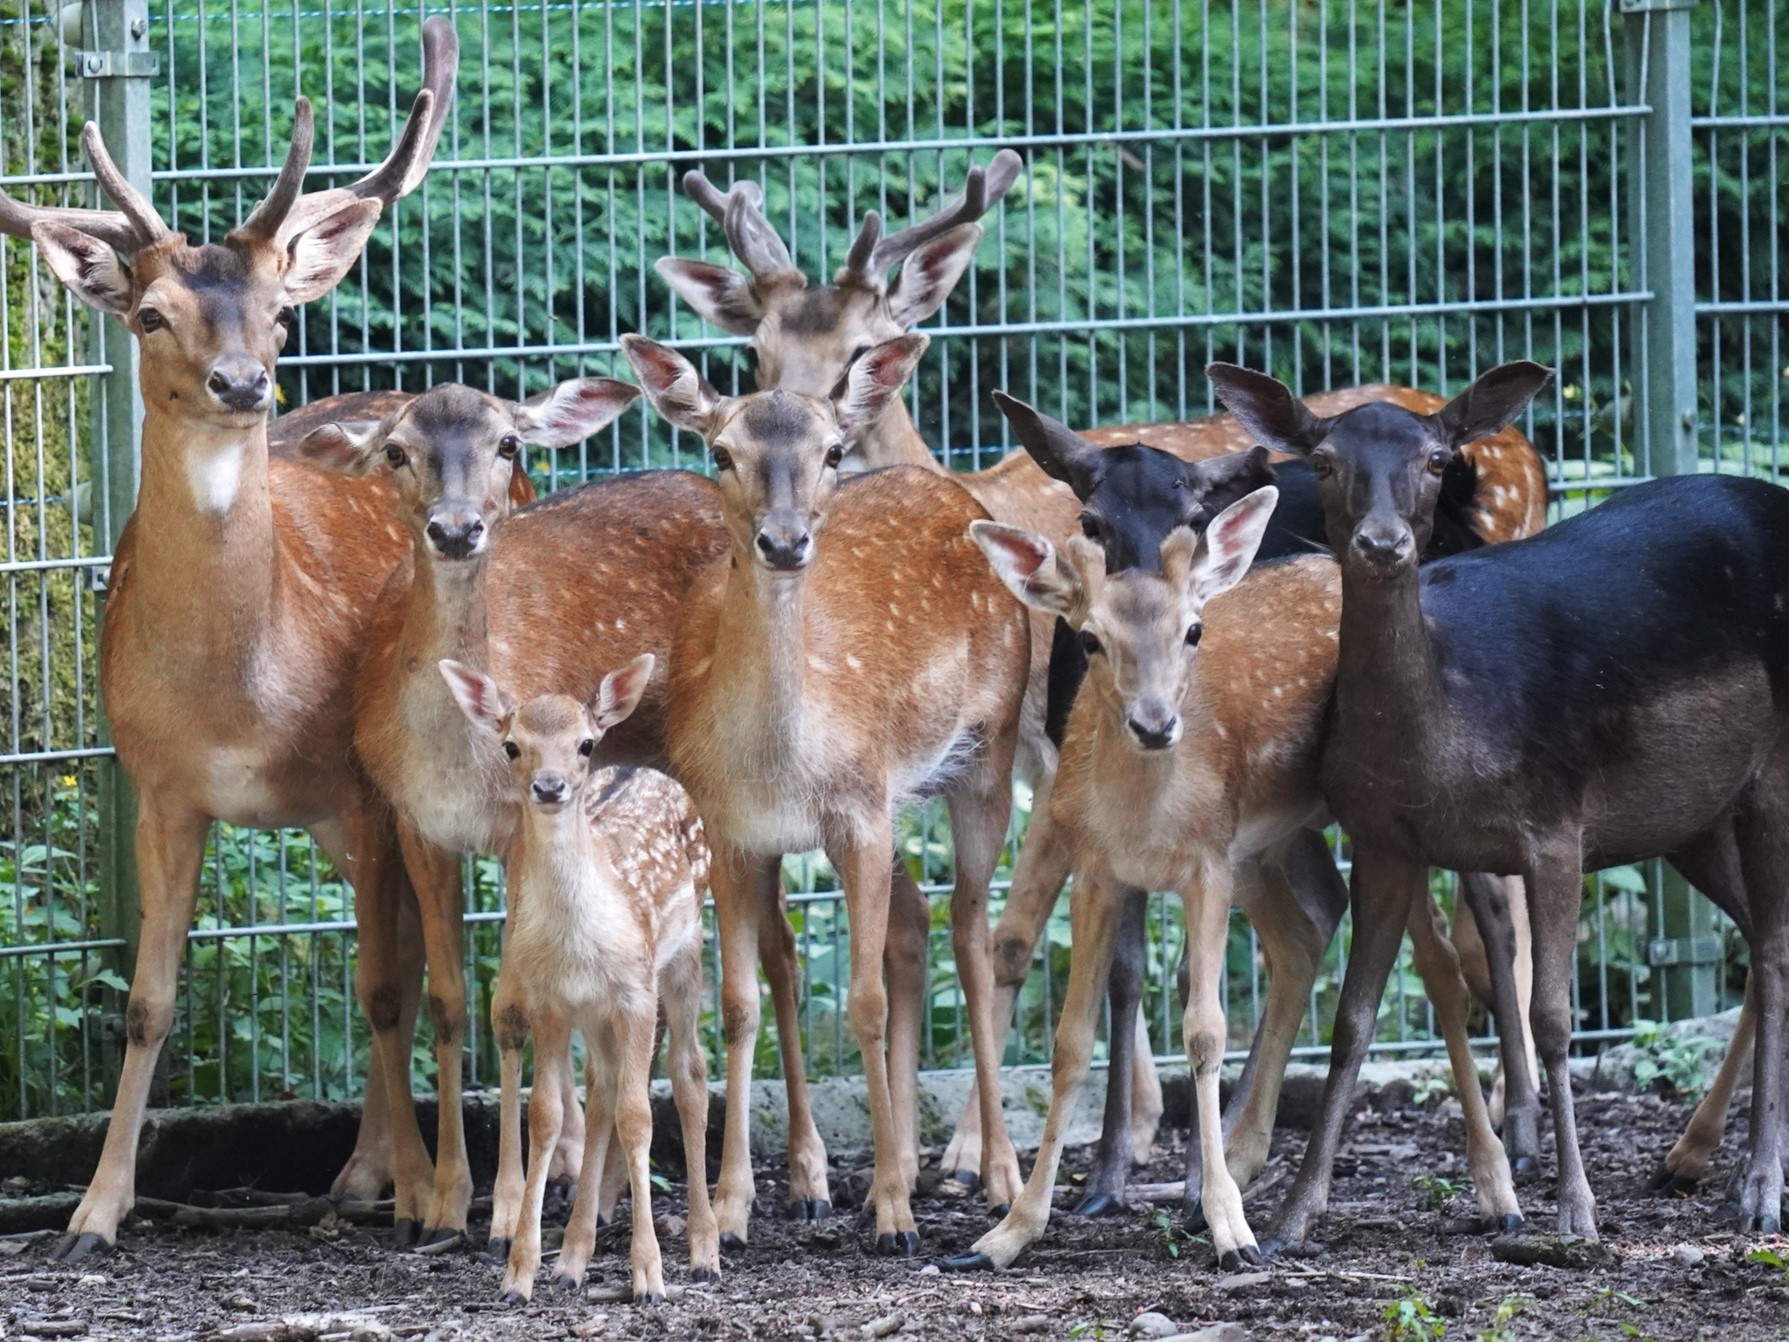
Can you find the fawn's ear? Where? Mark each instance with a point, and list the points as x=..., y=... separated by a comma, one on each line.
x=621, y=691
x=1030, y=567
x=1058, y=450
x=1227, y=548
x=677, y=391
x=874, y=379
x=476, y=694
x=352, y=447
x=90, y=268
x=1266, y=407
x=572, y=411
x=722, y=296
x=1492, y=403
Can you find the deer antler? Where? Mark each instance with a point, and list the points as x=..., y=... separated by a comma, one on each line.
x=128, y=229
x=740, y=211
x=872, y=256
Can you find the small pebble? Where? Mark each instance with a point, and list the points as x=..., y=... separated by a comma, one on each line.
x=1688, y=1254
x=929, y=1270
x=1241, y=1281
x=1151, y=1324
x=1030, y=1323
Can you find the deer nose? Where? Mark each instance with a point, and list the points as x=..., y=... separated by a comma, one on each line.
x=1384, y=546
x=239, y=384
x=455, y=533
x=1155, y=724
x=549, y=788
x=785, y=543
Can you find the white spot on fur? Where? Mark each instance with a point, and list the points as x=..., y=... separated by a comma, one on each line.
x=215, y=476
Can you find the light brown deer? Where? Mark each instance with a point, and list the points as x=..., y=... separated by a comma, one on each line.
x=1191, y=765
x=610, y=867
x=241, y=586
x=456, y=457
x=850, y=652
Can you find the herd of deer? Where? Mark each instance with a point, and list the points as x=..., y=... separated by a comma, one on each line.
x=357, y=621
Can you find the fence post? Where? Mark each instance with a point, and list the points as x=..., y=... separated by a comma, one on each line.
x=115, y=64
x=1685, y=951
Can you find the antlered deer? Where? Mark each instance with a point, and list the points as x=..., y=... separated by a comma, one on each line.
x=1608, y=691
x=850, y=652
x=609, y=867
x=239, y=598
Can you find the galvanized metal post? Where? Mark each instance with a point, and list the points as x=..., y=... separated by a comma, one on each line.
x=116, y=63
x=1686, y=948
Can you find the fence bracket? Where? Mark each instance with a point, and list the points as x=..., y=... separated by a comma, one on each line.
x=118, y=64
x=1684, y=951
x=1654, y=6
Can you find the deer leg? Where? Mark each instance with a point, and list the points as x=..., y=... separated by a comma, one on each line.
x=170, y=849
x=1104, y=1193
x=1094, y=914
x=568, y=1155
x=810, y=1199
x=1556, y=891
x=435, y=872
x=509, y=1025
x=1038, y=875
x=909, y=930
x=1383, y=889
x=601, y=1045
x=1686, y=1162
x=980, y=806
x=688, y=1065
x=737, y=914
x=1764, y=859
x=1493, y=911
x=552, y=1036
x=635, y=1034
x=1440, y=971
x=613, y=1181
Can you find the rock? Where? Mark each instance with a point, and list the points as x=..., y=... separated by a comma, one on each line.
x=886, y=1326
x=1241, y=1281
x=669, y=1226
x=1152, y=1324
x=1688, y=1254
x=930, y=1270
x=1217, y=1332
x=1030, y=1323
x=1568, y=1251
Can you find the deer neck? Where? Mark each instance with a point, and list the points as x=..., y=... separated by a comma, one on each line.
x=1389, y=695
x=763, y=630
x=893, y=440
x=446, y=614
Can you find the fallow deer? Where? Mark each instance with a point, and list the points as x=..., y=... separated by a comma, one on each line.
x=803, y=338
x=850, y=652
x=239, y=597
x=1133, y=498
x=1608, y=691
x=610, y=867
x=1191, y=765
x=455, y=455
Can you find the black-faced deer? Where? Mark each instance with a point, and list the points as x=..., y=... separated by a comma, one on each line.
x=1605, y=692
x=1133, y=498
x=455, y=456
x=239, y=599
x=1191, y=765
x=610, y=868
x=851, y=652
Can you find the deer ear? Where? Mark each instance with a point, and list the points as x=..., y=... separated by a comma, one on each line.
x=1029, y=566
x=1062, y=453
x=1266, y=407
x=89, y=267
x=572, y=411
x=1220, y=481
x=721, y=296
x=928, y=276
x=323, y=254
x=477, y=695
x=677, y=391
x=874, y=379
x=1228, y=546
x=350, y=448
x=1492, y=403
x=621, y=691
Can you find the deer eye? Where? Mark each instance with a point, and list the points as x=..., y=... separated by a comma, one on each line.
x=1323, y=465
x=723, y=459
x=860, y=351
x=1193, y=634
x=148, y=319
x=834, y=455
x=1438, y=460
x=587, y=745
x=511, y=749
x=509, y=446
x=1090, y=526
x=1089, y=644
x=395, y=455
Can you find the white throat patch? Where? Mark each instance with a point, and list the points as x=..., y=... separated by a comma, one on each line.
x=215, y=474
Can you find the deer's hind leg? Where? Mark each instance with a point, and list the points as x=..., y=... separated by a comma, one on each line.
x=1104, y=1190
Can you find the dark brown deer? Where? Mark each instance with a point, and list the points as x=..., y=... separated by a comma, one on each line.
x=1609, y=691
x=851, y=652
x=239, y=598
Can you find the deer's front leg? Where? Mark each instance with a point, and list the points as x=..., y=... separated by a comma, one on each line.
x=552, y=1038
x=509, y=1024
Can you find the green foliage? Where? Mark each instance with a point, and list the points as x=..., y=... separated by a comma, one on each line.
x=1502, y=1327
x=1437, y=1190
x=1672, y=1063
x=1771, y=1258
x=1413, y=1317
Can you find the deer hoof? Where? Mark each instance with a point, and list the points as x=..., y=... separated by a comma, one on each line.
x=495, y=1251
x=731, y=1243
x=1241, y=1256
x=511, y=1299
x=404, y=1232
x=650, y=1298
x=966, y=1262
x=970, y=1179
x=707, y=1274
x=901, y=1243
x=1101, y=1203
x=72, y=1249
x=809, y=1209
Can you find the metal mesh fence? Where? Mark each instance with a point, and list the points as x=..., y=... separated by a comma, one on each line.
x=1337, y=190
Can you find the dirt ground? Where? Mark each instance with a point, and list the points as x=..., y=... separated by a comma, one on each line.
x=1388, y=1251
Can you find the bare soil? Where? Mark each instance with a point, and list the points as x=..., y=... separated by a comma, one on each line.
x=1385, y=1242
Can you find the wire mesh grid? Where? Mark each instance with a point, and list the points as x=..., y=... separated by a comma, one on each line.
x=1339, y=191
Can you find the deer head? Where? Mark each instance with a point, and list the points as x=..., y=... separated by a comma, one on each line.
x=1140, y=629
x=550, y=741
x=776, y=453
x=1379, y=466
x=802, y=338
x=212, y=319
x=452, y=452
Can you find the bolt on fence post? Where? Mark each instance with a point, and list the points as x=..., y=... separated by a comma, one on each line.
x=115, y=65
x=1685, y=951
